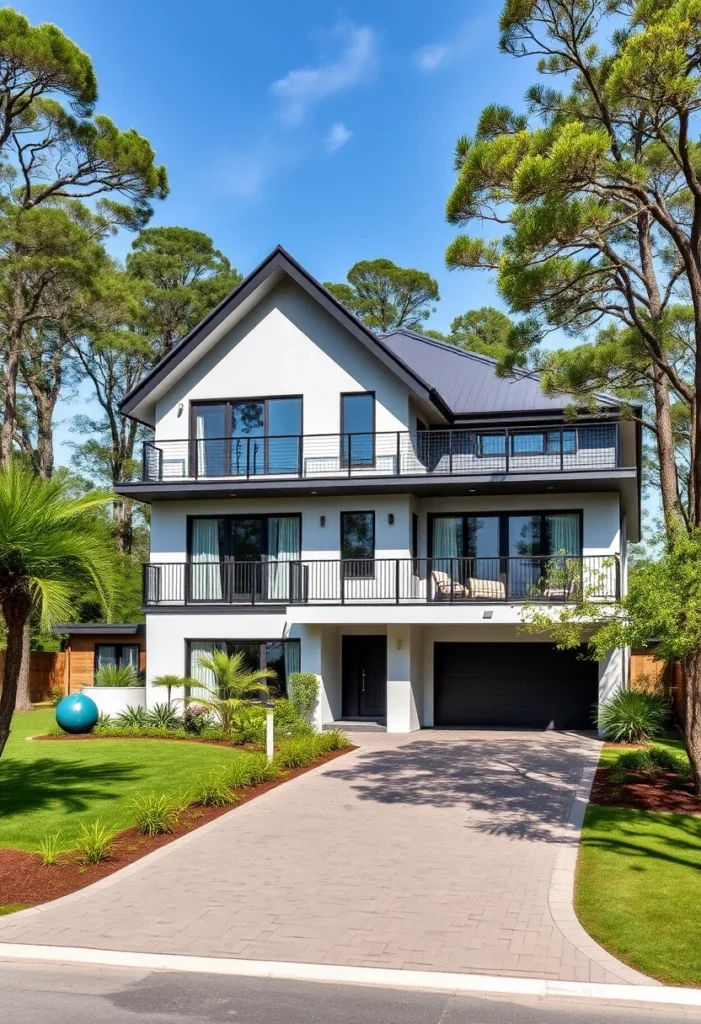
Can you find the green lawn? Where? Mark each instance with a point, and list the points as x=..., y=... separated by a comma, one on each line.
x=45, y=787
x=639, y=887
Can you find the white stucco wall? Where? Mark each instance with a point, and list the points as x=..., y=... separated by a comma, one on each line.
x=288, y=345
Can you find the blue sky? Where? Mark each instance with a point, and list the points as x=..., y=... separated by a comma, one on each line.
x=327, y=129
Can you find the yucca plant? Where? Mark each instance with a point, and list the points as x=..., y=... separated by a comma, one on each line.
x=633, y=717
x=173, y=682
x=235, y=686
x=116, y=675
x=94, y=843
x=133, y=717
x=103, y=721
x=163, y=716
x=51, y=547
x=156, y=814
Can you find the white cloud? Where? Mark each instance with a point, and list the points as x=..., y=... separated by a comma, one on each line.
x=301, y=88
x=441, y=54
x=244, y=173
x=338, y=136
x=432, y=56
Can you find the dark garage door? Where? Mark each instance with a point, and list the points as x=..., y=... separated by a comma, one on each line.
x=531, y=685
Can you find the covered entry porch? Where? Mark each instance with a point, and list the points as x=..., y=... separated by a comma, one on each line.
x=409, y=676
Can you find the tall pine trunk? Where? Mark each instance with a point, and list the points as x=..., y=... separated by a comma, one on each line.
x=669, y=482
x=691, y=666
x=7, y=432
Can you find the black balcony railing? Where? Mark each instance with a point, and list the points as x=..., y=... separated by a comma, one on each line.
x=556, y=579
x=385, y=454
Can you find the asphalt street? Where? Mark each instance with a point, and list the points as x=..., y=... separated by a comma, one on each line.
x=51, y=994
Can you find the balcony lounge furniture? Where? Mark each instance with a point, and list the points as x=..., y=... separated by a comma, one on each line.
x=565, y=592
x=446, y=586
x=486, y=590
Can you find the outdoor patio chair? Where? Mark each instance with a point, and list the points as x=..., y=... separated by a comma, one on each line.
x=446, y=586
x=486, y=590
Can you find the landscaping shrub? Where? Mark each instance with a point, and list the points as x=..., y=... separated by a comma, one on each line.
x=297, y=752
x=156, y=814
x=50, y=848
x=163, y=716
x=212, y=789
x=249, y=722
x=134, y=718
x=117, y=675
x=103, y=721
x=633, y=717
x=94, y=843
x=334, y=739
x=195, y=718
x=648, y=761
x=303, y=693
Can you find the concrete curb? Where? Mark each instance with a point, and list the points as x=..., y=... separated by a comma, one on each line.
x=561, y=896
x=436, y=981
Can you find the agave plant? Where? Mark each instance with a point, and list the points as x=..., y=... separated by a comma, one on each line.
x=163, y=716
x=133, y=718
x=235, y=685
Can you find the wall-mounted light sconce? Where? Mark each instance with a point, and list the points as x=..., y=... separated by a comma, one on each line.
x=322, y=520
x=390, y=519
x=180, y=409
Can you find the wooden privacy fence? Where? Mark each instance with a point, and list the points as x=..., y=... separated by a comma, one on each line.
x=47, y=673
x=646, y=670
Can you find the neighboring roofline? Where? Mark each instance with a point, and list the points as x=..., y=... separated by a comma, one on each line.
x=101, y=628
x=521, y=373
x=280, y=259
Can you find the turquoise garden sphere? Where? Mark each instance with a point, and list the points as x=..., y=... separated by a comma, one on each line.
x=77, y=713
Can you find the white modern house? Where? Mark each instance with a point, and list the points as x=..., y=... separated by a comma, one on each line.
x=376, y=510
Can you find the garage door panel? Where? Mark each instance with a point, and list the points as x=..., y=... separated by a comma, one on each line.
x=521, y=684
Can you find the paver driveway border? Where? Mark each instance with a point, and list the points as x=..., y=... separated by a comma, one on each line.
x=560, y=898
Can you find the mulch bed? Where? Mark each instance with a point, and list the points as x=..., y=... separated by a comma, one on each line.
x=663, y=791
x=26, y=881
x=141, y=739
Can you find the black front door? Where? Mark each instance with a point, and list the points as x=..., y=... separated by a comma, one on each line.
x=364, y=661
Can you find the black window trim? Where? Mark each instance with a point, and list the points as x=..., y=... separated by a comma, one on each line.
x=118, y=647
x=347, y=462
x=189, y=641
x=545, y=433
x=503, y=516
x=197, y=403
x=357, y=576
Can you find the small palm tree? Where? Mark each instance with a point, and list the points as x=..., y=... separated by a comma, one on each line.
x=173, y=682
x=49, y=552
x=235, y=686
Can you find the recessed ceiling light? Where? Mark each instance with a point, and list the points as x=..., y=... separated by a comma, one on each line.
x=551, y=488
x=314, y=492
x=472, y=490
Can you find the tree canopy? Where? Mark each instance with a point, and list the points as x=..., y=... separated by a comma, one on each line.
x=385, y=296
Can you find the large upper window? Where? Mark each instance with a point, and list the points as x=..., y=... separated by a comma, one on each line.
x=248, y=437
x=358, y=544
x=358, y=429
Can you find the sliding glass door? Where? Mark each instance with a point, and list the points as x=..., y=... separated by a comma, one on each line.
x=243, y=559
x=248, y=437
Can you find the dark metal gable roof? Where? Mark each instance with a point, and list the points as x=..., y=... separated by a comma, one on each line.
x=279, y=260
x=468, y=383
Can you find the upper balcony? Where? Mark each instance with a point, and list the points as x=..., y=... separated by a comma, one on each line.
x=432, y=461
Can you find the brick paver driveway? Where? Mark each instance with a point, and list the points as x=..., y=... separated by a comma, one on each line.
x=432, y=851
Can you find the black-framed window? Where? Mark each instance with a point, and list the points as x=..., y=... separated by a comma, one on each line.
x=527, y=442
x=281, y=655
x=496, y=535
x=358, y=544
x=414, y=535
x=247, y=436
x=233, y=557
x=358, y=429
x=118, y=655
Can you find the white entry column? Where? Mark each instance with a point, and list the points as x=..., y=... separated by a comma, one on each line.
x=404, y=679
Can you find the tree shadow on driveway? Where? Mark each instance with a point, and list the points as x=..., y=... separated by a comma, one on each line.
x=518, y=785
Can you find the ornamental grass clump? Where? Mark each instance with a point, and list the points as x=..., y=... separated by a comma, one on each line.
x=213, y=789
x=297, y=752
x=156, y=814
x=633, y=717
x=50, y=849
x=94, y=843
